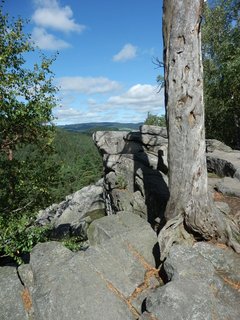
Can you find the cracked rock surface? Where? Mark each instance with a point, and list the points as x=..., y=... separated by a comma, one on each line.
x=108, y=281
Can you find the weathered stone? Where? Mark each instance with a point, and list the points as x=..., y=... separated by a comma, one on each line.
x=153, y=140
x=11, y=295
x=229, y=186
x=183, y=300
x=224, y=163
x=204, y=284
x=213, y=144
x=73, y=215
x=116, y=142
x=98, y=283
x=154, y=130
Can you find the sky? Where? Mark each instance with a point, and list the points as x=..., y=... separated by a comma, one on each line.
x=104, y=67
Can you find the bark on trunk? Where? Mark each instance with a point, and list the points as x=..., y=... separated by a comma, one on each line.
x=189, y=203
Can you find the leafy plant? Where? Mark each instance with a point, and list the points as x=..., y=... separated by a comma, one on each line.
x=121, y=182
x=19, y=235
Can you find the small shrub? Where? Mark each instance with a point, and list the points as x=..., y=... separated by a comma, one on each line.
x=121, y=182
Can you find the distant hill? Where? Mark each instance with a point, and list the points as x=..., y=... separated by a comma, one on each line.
x=98, y=126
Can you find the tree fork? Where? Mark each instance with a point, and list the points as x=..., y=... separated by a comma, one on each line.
x=190, y=206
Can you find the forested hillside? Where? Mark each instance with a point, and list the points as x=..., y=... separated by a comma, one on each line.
x=36, y=179
x=98, y=126
x=73, y=164
x=79, y=160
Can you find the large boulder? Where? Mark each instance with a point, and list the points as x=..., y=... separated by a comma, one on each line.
x=13, y=296
x=73, y=215
x=135, y=171
x=107, y=281
x=224, y=164
x=202, y=283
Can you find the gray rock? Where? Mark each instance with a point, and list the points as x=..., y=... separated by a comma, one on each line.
x=154, y=130
x=224, y=164
x=204, y=284
x=153, y=140
x=95, y=284
x=183, y=300
x=213, y=144
x=11, y=292
x=117, y=142
x=229, y=186
x=72, y=216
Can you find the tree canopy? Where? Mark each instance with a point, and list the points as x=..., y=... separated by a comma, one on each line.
x=27, y=96
x=221, y=60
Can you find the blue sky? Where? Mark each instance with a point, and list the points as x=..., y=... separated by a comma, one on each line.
x=104, y=68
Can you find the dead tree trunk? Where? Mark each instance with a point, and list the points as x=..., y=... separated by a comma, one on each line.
x=189, y=206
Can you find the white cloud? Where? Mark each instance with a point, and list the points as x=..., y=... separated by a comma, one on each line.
x=128, y=52
x=138, y=95
x=88, y=85
x=130, y=106
x=49, y=14
x=69, y=115
x=47, y=41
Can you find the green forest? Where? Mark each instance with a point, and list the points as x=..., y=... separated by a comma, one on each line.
x=40, y=164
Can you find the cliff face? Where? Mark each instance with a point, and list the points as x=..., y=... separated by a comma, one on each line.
x=135, y=171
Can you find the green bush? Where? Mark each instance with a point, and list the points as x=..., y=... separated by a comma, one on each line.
x=154, y=120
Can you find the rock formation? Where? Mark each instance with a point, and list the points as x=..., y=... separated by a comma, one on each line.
x=120, y=275
x=135, y=171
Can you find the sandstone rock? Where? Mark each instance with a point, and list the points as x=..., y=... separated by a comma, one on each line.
x=213, y=144
x=204, y=284
x=154, y=130
x=11, y=295
x=72, y=216
x=229, y=186
x=135, y=177
x=224, y=163
x=117, y=142
x=98, y=283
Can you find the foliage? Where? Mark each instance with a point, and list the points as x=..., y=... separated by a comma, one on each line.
x=27, y=96
x=121, y=182
x=50, y=177
x=75, y=244
x=221, y=59
x=155, y=120
x=80, y=162
x=27, y=99
x=19, y=235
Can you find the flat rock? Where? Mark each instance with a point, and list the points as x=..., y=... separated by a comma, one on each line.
x=69, y=216
x=229, y=186
x=224, y=163
x=11, y=293
x=213, y=144
x=154, y=130
x=204, y=284
x=95, y=284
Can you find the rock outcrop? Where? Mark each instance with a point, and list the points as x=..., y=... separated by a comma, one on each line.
x=73, y=216
x=203, y=282
x=107, y=281
x=120, y=275
x=135, y=171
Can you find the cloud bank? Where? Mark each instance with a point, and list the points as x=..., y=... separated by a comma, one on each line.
x=131, y=106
